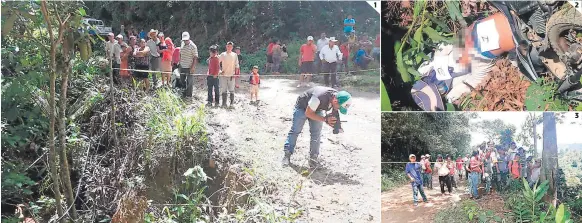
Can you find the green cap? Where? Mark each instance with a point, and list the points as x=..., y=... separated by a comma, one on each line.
x=345, y=100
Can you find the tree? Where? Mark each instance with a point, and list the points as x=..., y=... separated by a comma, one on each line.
x=528, y=137
x=495, y=129
x=550, y=157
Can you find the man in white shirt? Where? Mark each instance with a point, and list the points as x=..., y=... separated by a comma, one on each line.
x=230, y=70
x=109, y=46
x=117, y=57
x=329, y=56
x=321, y=42
x=155, y=59
x=188, y=61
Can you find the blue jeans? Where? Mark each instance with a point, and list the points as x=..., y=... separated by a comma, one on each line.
x=299, y=119
x=212, y=83
x=474, y=177
x=415, y=189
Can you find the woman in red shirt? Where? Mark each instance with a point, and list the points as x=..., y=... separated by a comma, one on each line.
x=345, y=50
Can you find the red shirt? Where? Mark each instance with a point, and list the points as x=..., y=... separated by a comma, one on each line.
x=451, y=167
x=254, y=79
x=176, y=56
x=459, y=163
x=345, y=51
x=213, y=66
x=474, y=165
x=270, y=48
x=307, y=52
x=378, y=40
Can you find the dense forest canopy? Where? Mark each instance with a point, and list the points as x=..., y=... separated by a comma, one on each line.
x=419, y=133
x=248, y=24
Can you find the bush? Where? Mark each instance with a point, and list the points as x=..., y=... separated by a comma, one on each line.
x=392, y=178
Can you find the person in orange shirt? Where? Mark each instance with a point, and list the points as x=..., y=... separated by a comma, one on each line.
x=514, y=167
x=306, y=58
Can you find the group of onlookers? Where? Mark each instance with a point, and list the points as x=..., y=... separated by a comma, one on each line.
x=158, y=55
x=492, y=164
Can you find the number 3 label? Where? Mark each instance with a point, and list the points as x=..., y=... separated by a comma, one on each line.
x=487, y=35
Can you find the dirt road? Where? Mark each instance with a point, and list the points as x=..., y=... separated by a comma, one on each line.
x=344, y=189
x=397, y=205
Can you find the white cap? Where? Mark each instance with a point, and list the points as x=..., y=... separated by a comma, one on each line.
x=119, y=36
x=185, y=36
x=411, y=155
x=332, y=39
x=309, y=38
x=110, y=34
x=160, y=34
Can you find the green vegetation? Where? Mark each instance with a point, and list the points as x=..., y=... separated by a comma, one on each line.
x=392, y=178
x=78, y=148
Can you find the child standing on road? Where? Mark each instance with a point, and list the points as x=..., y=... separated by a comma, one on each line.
x=212, y=79
x=255, y=81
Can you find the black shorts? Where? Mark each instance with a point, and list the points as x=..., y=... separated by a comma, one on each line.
x=307, y=67
x=269, y=58
x=141, y=75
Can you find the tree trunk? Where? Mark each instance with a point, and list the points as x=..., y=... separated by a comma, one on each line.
x=535, y=138
x=112, y=96
x=66, y=175
x=53, y=154
x=550, y=156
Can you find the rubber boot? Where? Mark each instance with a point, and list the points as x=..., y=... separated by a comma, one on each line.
x=313, y=162
x=224, y=100
x=286, y=159
x=231, y=100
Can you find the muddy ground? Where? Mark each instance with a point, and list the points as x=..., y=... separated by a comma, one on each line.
x=346, y=186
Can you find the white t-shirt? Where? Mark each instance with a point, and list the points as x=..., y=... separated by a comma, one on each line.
x=535, y=174
x=117, y=53
x=314, y=102
x=330, y=54
x=109, y=49
x=442, y=168
x=153, y=47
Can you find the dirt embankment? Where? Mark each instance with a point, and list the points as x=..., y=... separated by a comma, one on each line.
x=345, y=188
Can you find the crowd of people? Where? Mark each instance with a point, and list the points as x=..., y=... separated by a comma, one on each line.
x=493, y=165
x=141, y=56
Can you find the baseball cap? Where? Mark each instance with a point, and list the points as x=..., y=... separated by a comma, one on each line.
x=160, y=34
x=238, y=47
x=310, y=38
x=110, y=34
x=345, y=100
x=421, y=156
x=185, y=36
x=255, y=67
x=229, y=43
x=411, y=155
x=427, y=155
x=119, y=36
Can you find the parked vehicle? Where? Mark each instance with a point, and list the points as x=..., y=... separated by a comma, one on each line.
x=96, y=27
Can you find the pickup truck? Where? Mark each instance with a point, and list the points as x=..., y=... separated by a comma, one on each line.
x=96, y=27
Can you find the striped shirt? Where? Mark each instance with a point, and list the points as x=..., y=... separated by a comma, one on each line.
x=229, y=63
x=187, y=54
